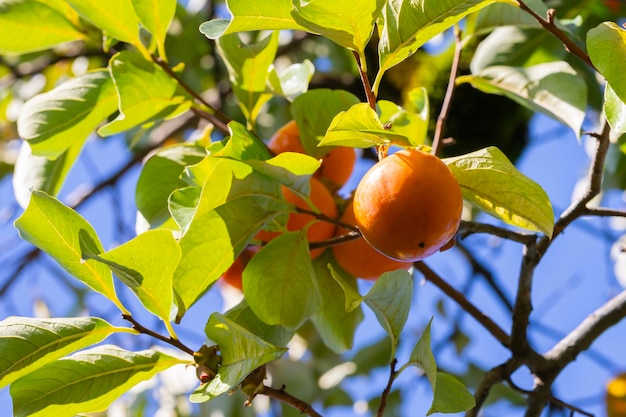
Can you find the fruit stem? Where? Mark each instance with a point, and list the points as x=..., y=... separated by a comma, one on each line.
x=371, y=98
x=445, y=107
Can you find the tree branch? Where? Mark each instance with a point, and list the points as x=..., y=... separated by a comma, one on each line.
x=491, y=326
x=383, y=398
x=141, y=329
x=551, y=27
x=523, y=304
x=468, y=228
x=282, y=396
x=447, y=100
x=371, y=98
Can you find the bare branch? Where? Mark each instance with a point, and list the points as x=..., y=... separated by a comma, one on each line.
x=447, y=100
x=469, y=228
x=491, y=326
x=282, y=396
x=141, y=329
x=392, y=377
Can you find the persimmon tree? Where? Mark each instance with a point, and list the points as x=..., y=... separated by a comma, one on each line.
x=194, y=96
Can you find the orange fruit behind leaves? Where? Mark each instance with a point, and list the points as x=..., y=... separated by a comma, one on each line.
x=320, y=230
x=337, y=165
x=616, y=396
x=358, y=258
x=408, y=206
x=232, y=276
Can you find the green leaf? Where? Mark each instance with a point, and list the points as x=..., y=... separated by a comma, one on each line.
x=248, y=16
x=422, y=357
x=27, y=344
x=54, y=121
x=360, y=127
x=505, y=14
x=243, y=145
x=85, y=382
x=606, y=44
x=39, y=27
x=55, y=229
x=248, y=69
x=40, y=173
x=293, y=80
x=390, y=300
x=407, y=25
x=235, y=203
x=614, y=110
x=291, y=169
x=146, y=264
x=554, y=89
x=243, y=315
x=183, y=203
x=451, y=396
x=412, y=126
x=160, y=176
x=335, y=325
x=313, y=113
x=280, y=284
x=146, y=93
x=116, y=18
x=493, y=184
x=242, y=352
x=350, y=290
x=156, y=16
x=351, y=28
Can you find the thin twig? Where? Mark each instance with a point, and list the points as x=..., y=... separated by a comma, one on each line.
x=371, y=98
x=468, y=228
x=491, y=326
x=383, y=398
x=284, y=397
x=549, y=24
x=334, y=241
x=141, y=329
x=523, y=303
x=603, y=212
x=447, y=100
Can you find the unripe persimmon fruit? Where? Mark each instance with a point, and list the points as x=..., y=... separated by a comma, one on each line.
x=358, y=258
x=408, y=206
x=337, y=165
x=232, y=276
x=320, y=230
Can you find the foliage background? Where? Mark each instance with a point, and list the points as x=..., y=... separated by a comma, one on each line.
x=576, y=277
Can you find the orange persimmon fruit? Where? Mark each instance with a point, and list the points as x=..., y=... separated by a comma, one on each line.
x=337, y=165
x=358, y=258
x=408, y=205
x=233, y=274
x=320, y=230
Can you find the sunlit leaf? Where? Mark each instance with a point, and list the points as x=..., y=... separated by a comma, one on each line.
x=156, y=16
x=291, y=169
x=390, y=299
x=334, y=323
x=88, y=381
x=160, y=175
x=146, y=93
x=243, y=145
x=241, y=351
x=55, y=229
x=39, y=27
x=552, y=88
x=352, y=296
x=27, y=344
x=248, y=69
x=248, y=16
x=606, y=44
x=314, y=112
x=492, y=183
x=65, y=116
x=235, y=203
x=293, y=80
x=614, y=110
x=116, y=18
x=505, y=14
x=350, y=28
x=40, y=173
x=407, y=25
x=360, y=127
x=280, y=283
x=412, y=126
x=146, y=264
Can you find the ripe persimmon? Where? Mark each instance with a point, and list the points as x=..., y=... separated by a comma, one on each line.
x=337, y=165
x=320, y=230
x=408, y=205
x=232, y=276
x=616, y=396
x=358, y=258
